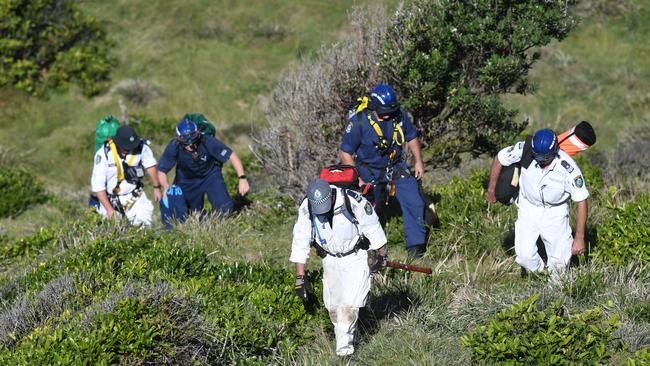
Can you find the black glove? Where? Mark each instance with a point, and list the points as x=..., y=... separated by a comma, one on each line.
x=303, y=288
x=376, y=261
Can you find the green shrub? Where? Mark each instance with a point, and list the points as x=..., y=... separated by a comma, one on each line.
x=641, y=358
x=624, y=234
x=19, y=189
x=450, y=61
x=50, y=44
x=525, y=335
x=466, y=219
x=27, y=246
x=135, y=296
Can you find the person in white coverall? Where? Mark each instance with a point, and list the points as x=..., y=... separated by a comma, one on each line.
x=352, y=243
x=546, y=186
x=120, y=165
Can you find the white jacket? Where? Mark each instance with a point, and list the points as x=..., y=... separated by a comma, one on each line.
x=343, y=235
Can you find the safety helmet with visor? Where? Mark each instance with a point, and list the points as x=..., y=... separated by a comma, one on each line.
x=545, y=146
x=383, y=100
x=187, y=132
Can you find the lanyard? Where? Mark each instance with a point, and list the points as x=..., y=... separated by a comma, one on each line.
x=320, y=239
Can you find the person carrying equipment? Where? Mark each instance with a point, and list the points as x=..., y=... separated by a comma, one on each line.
x=105, y=129
x=117, y=176
x=377, y=134
x=345, y=230
x=198, y=159
x=549, y=179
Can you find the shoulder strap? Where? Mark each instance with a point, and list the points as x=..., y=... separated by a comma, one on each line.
x=349, y=214
x=116, y=157
x=527, y=155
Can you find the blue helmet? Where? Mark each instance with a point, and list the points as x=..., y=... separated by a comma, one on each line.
x=383, y=100
x=187, y=132
x=545, y=145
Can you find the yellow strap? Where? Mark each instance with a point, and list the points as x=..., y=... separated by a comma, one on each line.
x=398, y=132
x=118, y=163
x=363, y=104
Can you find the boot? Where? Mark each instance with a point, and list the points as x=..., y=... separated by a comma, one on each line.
x=416, y=251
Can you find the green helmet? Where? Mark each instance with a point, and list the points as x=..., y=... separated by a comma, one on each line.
x=106, y=128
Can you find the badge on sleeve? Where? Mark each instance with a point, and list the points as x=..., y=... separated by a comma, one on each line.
x=511, y=148
x=98, y=159
x=348, y=128
x=579, y=181
x=368, y=208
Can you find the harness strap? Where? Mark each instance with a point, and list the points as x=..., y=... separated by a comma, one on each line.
x=118, y=164
x=320, y=249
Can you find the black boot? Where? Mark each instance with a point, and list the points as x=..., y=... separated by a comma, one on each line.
x=416, y=251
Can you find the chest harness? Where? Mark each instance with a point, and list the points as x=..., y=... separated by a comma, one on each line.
x=125, y=171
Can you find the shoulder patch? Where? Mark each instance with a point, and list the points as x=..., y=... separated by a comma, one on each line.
x=579, y=181
x=567, y=166
x=98, y=159
x=357, y=197
x=348, y=128
x=368, y=208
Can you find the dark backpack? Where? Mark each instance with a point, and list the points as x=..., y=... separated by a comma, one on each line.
x=507, y=188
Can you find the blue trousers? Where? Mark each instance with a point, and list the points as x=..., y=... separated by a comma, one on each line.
x=194, y=191
x=408, y=195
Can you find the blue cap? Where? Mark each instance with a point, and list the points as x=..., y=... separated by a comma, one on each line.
x=319, y=195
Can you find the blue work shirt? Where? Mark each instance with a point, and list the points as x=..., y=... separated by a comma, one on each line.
x=210, y=151
x=361, y=138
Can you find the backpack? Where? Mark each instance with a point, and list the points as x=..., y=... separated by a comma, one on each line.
x=345, y=177
x=206, y=127
x=105, y=129
x=574, y=140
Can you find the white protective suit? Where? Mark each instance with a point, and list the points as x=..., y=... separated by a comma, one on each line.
x=137, y=207
x=543, y=205
x=346, y=280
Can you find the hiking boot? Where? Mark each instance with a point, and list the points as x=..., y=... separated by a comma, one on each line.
x=416, y=251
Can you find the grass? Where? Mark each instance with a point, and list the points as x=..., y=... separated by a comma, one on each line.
x=221, y=58
x=599, y=73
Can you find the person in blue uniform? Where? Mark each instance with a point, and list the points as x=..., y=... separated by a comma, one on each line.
x=377, y=136
x=198, y=159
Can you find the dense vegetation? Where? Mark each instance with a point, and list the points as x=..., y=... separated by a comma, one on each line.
x=450, y=62
x=75, y=289
x=49, y=44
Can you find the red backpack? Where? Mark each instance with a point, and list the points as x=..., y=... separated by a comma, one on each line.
x=344, y=176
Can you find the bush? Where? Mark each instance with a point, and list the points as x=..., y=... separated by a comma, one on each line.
x=134, y=296
x=27, y=246
x=624, y=234
x=19, y=189
x=466, y=219
x=525, y=335
x=50, y=44
x=449, y=61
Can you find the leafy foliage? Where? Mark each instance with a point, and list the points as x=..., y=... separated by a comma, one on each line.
x=525, y=335
x=624, y=235
x=450, y=60
x=135, y=297
x=51, y=44
x=19, y=189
